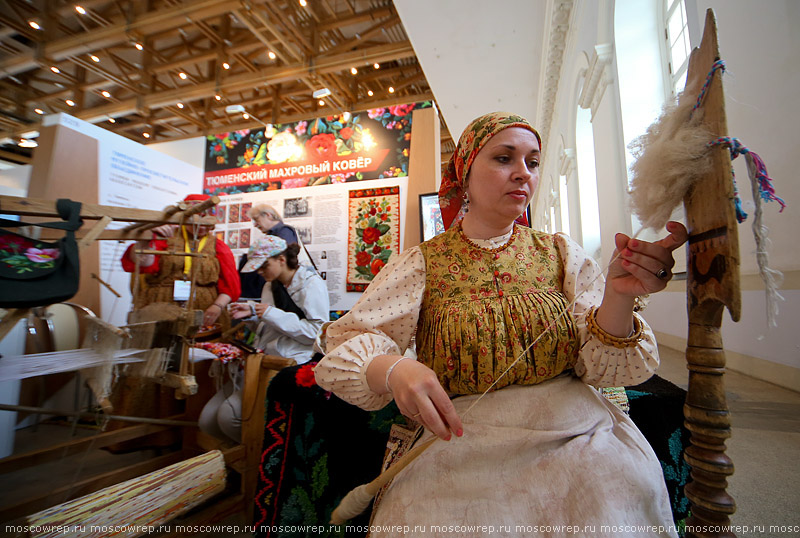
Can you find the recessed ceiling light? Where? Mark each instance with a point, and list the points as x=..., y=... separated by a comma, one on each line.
x=138, y=46
x=94, y=58
x=25, y=143
x=179, y=105
x=391, y=89
x=226, y=65
x=376, y=65
x=369, y=92
x=183, y=75
x=146, y=135
x=321, y=102
x=112, y=120
x=38, y=110
x=353, y=70
x=271, y=55
x=55, y=69
x=106, y=93
x=303, y=3
x=218, y=97
x=80, y=10
x=70, y=102
x=35, y=25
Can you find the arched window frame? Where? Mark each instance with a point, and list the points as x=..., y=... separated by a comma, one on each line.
x=676, y=47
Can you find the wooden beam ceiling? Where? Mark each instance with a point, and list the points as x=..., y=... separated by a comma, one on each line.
x=266, y=55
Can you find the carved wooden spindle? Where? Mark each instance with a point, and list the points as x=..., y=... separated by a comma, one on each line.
x=713, y=284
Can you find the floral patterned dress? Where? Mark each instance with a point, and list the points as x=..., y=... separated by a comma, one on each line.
x=546, y=451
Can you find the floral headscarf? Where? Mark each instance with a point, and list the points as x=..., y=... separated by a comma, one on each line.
x=474, y=137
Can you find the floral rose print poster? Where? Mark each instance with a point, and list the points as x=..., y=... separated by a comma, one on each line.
x=340, y=148
x=374, y=233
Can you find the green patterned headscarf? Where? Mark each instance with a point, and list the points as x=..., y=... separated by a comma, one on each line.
x=474, y=137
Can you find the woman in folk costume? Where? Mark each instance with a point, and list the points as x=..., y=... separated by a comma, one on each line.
x=162, y=279
x=543, y=447
x=216, y=278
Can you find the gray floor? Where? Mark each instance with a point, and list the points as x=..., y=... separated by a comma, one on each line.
x=764, y=447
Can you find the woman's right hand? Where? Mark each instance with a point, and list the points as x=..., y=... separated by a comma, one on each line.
x=419, y=396
x=165, y=230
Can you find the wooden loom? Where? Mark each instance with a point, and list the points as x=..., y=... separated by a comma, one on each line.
x=243, y=458
x=712, y=285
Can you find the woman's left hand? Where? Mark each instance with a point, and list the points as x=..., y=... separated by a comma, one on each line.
x=644, y=267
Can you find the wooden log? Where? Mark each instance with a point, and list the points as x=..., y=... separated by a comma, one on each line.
x=139, y=505
x=712, y=284
x=46, y=499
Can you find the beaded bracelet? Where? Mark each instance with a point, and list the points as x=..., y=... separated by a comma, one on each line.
x=389, y=372
x=609, y=339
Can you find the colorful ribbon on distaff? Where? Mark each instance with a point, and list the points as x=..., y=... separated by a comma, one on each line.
x=766, y=190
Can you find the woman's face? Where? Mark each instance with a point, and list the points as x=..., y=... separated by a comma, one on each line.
x=264, y=223
x=272, y=268
x=504, y=176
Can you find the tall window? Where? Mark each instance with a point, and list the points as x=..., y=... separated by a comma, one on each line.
x=678, y=47
x=587, y=182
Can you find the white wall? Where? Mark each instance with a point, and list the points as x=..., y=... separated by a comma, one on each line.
x=760, y=48
x=14, y=179
x=189, y=150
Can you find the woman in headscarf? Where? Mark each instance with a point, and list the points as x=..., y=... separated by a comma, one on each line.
x=165, y=280
x=543, y=447
x=165, y=277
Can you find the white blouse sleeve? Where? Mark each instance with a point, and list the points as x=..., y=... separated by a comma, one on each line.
x=382, y=322
x=600, y=365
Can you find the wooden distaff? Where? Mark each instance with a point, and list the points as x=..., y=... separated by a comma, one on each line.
x=713, y=284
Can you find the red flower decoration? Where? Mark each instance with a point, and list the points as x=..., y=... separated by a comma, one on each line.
x=363, y=258
x=345, y=133
x=376, y=266
x=371, y=235
x=322, y=146
x=305, y=375
x=401, y=110
x=376, y=249
x=12, y=242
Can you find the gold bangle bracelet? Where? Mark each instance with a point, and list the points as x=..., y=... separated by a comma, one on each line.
x=609, y=339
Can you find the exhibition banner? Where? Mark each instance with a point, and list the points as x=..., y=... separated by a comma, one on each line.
x=134, y=176
x=372, y=144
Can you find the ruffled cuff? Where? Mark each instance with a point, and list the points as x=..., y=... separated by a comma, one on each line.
x=603, y=365
x=344, y=370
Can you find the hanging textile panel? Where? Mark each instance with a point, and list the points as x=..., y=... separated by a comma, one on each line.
x=373, y=233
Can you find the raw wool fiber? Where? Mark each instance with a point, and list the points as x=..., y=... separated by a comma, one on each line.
x=669, y=158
